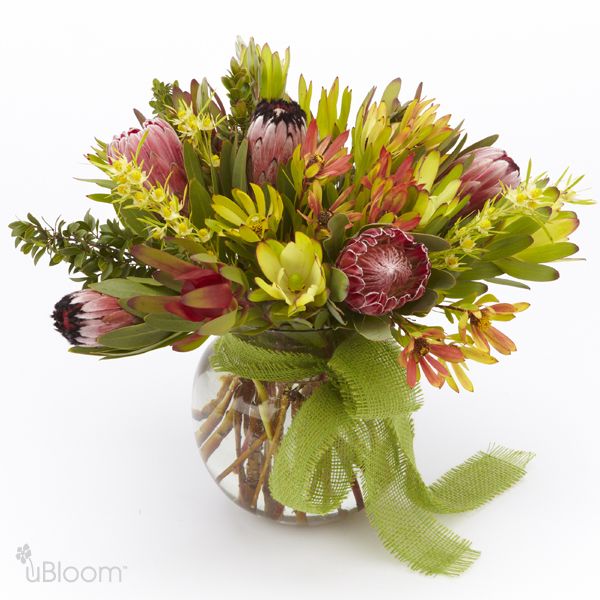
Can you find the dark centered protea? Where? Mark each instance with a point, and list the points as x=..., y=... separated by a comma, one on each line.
x=83, y=316
x=386, y=268
x=277, y=127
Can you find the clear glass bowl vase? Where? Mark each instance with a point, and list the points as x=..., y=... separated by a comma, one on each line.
x=239, y=423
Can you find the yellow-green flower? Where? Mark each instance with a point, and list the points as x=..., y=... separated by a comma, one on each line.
x=295, y=271
x=246, y=218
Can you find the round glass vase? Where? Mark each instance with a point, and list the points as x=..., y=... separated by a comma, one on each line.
x=240, y=422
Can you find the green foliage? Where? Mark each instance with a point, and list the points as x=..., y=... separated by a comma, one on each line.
x=94, y=251
x=162, y=98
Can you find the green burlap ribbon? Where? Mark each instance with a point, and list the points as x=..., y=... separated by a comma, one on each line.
x=358, y=424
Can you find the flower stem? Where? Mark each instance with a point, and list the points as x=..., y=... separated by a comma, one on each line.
x=242, y=457
x=214, y=418
x=273, y=443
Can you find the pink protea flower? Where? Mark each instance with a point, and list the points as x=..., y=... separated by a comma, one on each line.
x=483, y=178
x=160, y=156
x=83, y=316
x=277, y=127
x=386, y=268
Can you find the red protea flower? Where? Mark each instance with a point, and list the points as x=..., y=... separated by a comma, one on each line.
x=277, y=127
x=204, y=295
x=160, y=156
x=386, y=268
x=483, y=178
x=83, y=316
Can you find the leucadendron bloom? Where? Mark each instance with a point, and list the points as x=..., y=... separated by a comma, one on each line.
x=276, y=129
x=484, y=177
x=83, y=316
x=295, y=272
x=386, y=268
x=156, y=148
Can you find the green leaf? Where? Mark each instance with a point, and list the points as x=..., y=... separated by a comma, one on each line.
x=479, y=270
x=239, y=177
x=467, y=288
x=220, y=325
x=548, y=252
x=132, y=337
x=100, y=197
x=165, y=322
x=226, y=167
x=338, y=285
x=235, y=274
x=509, y=282
x=528, y=271
x=191, y=161
x=125, y=288
x=376, y=329
x=434, y=243
x=200, y=202
x=421, y=306
x=337, y=234
x=441, y=280
x=506, y=246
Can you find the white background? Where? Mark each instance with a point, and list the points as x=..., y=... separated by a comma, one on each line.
x=98, y=463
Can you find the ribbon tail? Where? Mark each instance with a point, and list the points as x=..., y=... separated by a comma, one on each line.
x=408, y=531
x=467, y=486
x=313, y=468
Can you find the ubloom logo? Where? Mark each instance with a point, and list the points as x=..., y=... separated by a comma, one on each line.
x=50, y=571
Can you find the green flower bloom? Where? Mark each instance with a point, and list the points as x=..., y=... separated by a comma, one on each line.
x=295, y=271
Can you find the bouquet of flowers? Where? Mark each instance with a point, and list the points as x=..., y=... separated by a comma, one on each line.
x=318, y=251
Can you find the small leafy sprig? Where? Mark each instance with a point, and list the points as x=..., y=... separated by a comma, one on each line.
x=96, y=251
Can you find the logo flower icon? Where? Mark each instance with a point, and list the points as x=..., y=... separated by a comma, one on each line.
x=23, y=553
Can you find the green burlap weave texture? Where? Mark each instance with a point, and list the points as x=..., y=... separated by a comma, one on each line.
x=358, y=424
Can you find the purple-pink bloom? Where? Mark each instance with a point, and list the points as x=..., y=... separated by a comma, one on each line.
x=484, y=176
x=83, y=316
x=160, y=155
x=386, y=268
x=276, y=129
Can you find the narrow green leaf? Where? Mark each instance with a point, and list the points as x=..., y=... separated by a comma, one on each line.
x=220, y=325
x=548, y=252
x=467, y=288
x=528, y=271
x=239, y=178
x=124, y=288
x=200, y=203
x=132, y=337
x=508, y=282
x=506, y=246
x=166, y=322
x=191, y=161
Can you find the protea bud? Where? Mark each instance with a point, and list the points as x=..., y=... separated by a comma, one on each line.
x=277, y=127
x=83, y=316
x=160, y=155
x=483, y=178
x=386, y=268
